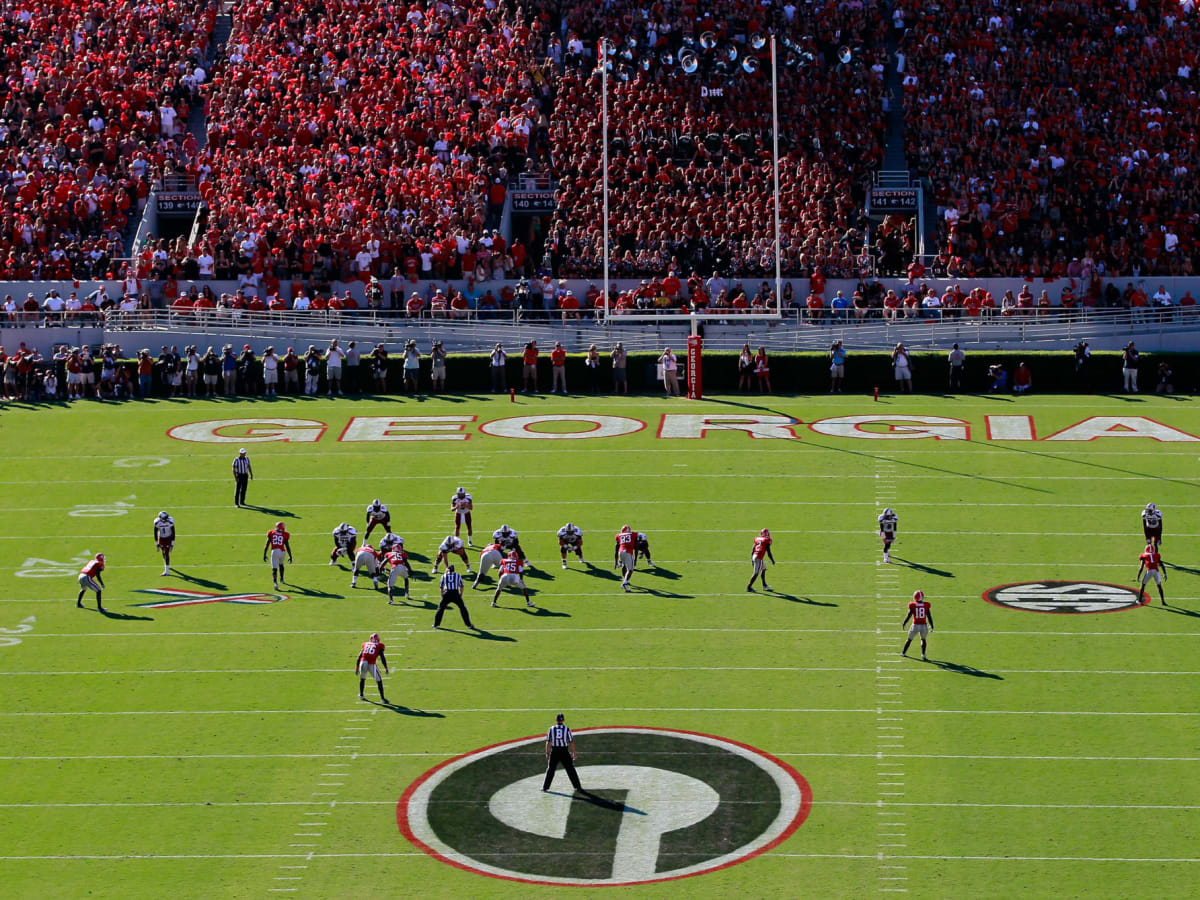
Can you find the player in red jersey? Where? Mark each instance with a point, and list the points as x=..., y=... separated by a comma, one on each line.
x=511, y=568
x=277, y=543
x=367, y=559
x=90, y=580
x=366, y=665
x=625, y=554
x=762, y=548
x=164, y=538
x=1151, y=568
x=491, y=556
x=396, y=561
x=922, y=621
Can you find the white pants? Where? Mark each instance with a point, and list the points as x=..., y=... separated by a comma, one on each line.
x=1152, y=575
x=85, y=581
x=366, y=561
x=915, y=630
x=760, y=566
x=369, y=670
x=626, y=561
x=277, y=557
x=510, y=579
x=398, y=573
x=489, y=559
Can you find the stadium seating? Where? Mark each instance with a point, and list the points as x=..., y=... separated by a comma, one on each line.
x=95, y=101
x=345, y=141
x=690, y=168
x=1061, y=138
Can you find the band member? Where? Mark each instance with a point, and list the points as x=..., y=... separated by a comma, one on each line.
x=377, y=514
x=164, y=538
x=462, y=504
x=278, y=541
x=450, y=545
x=570, y=538
x=490, y=558
x=762, y=548
x=345, y=541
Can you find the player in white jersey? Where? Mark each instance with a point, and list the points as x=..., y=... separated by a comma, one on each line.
x=1152, y=522
x=462, y=504
x=508, y=540
x=450, y=545
x=366, y=559
x=390, y=542
x=345, y=542
x=377, y=514
x=887, y=532
x=488, y=559
x=164, y=538
x=570, y=538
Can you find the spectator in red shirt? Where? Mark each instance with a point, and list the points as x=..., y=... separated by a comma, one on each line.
x=529, y=360
x=558, y=369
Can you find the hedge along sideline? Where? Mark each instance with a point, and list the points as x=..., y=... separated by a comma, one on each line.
x=583, y=426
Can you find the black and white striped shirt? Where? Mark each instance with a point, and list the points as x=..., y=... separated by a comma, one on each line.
x=559, y=736
x=241, y=465
x=452, y=581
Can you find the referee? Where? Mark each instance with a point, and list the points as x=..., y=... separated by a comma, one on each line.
x=560, y=750
x=452, y=586
x=243, y=473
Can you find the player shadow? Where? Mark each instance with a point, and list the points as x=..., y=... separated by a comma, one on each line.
x=963, y=669
x=1180, y=568
x=193, y=579
x=414, y=603
x=668, y=574
x=402, y=710
x=542, y=612
x=538, y=573
x=666, y=595
x=109, y=614
x=282, y=513
x=1079, y=461
x=1126, y=397
x=483, y=635
x=585, y=796
x=771, y=592
x=313, y=592
x=921, y=567
x=418, y=557
x=1178, y=610
x=996, y=397
x=755, y=406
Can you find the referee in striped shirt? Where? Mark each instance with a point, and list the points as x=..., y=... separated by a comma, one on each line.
x=452, y=586
x=560, y=750
x=243, y=473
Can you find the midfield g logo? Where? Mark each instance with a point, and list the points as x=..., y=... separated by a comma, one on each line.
x=1066, y=597
x=659, y=804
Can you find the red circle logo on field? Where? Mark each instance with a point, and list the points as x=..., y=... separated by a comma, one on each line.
x=1066, y=597
x=656, y=805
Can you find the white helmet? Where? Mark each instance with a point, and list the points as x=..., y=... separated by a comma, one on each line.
x=888, y=512
x=461, y=491
x=570, y=527
x=399, y=540
x=163, y=515
x=1150, y=507
x=343, y=526
x=918, y=595
x=376, y=503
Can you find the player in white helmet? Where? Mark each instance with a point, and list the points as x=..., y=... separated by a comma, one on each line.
x=462, y=504
x=1152, y=522
x=570, y=538
x=164, y=538
x=508, y=539
x=345, y=542
x=377, y=514
x=887, y=532
x=762, y=548
x=450, y=545
x=390, y=542
x=922, y=621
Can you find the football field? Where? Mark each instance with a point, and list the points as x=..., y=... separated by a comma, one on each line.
x=205, y=732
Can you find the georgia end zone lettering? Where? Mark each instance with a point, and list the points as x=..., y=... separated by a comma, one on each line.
x=586, y=426
x=660, y=805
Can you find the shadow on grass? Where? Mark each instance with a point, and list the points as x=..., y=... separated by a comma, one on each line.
x=544, y=613
x=669, y=574
x=1178, y=610
x=402, y=710
x=108, y=614
x=771, y=592
x=271, y=511
x=963, y=669
x=1179, y=568
x=921, y=567
x=655, y=592
x=413, y=603
x=538, y=573
x=194, y=579
x=313, y=592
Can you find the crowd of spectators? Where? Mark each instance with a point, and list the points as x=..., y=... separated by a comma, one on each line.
x=690, y=159
x=94, y=101
x=1060, y=138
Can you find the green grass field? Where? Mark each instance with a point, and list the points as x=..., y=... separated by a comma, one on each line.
x=220, y=750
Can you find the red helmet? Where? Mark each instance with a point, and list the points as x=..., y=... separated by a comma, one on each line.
x=764, y=533
x=100, y=556
x=625, y=528
x=918, y=595
x=375, y=637
x=279, y=526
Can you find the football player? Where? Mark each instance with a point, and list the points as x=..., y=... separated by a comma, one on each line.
x=345, y=542
x=278, y=541
x=511, y=568
x=642, y=543
x=164, y=538
x=1151, y=569
x=625, y=554
x=377, y=514
x=887, y=532
x=365, y=665
x=90, y=580
x=462, y=504
x=367, y=559
x=507, y=539
x=390, y=542
x=762, y=547
x=570, y=538
x=922, y=621
x=396, y=561
x=1152, y=519
x=450, y=545
x=490, y=557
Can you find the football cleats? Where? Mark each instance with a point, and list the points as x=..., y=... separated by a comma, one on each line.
x=918, y=595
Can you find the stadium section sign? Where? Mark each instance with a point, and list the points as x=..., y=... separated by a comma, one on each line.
x=660, y=804
x=1072, y=597
x=573, y=426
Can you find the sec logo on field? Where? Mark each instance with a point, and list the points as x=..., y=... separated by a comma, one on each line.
x=662, y=804
x=1066, y=597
